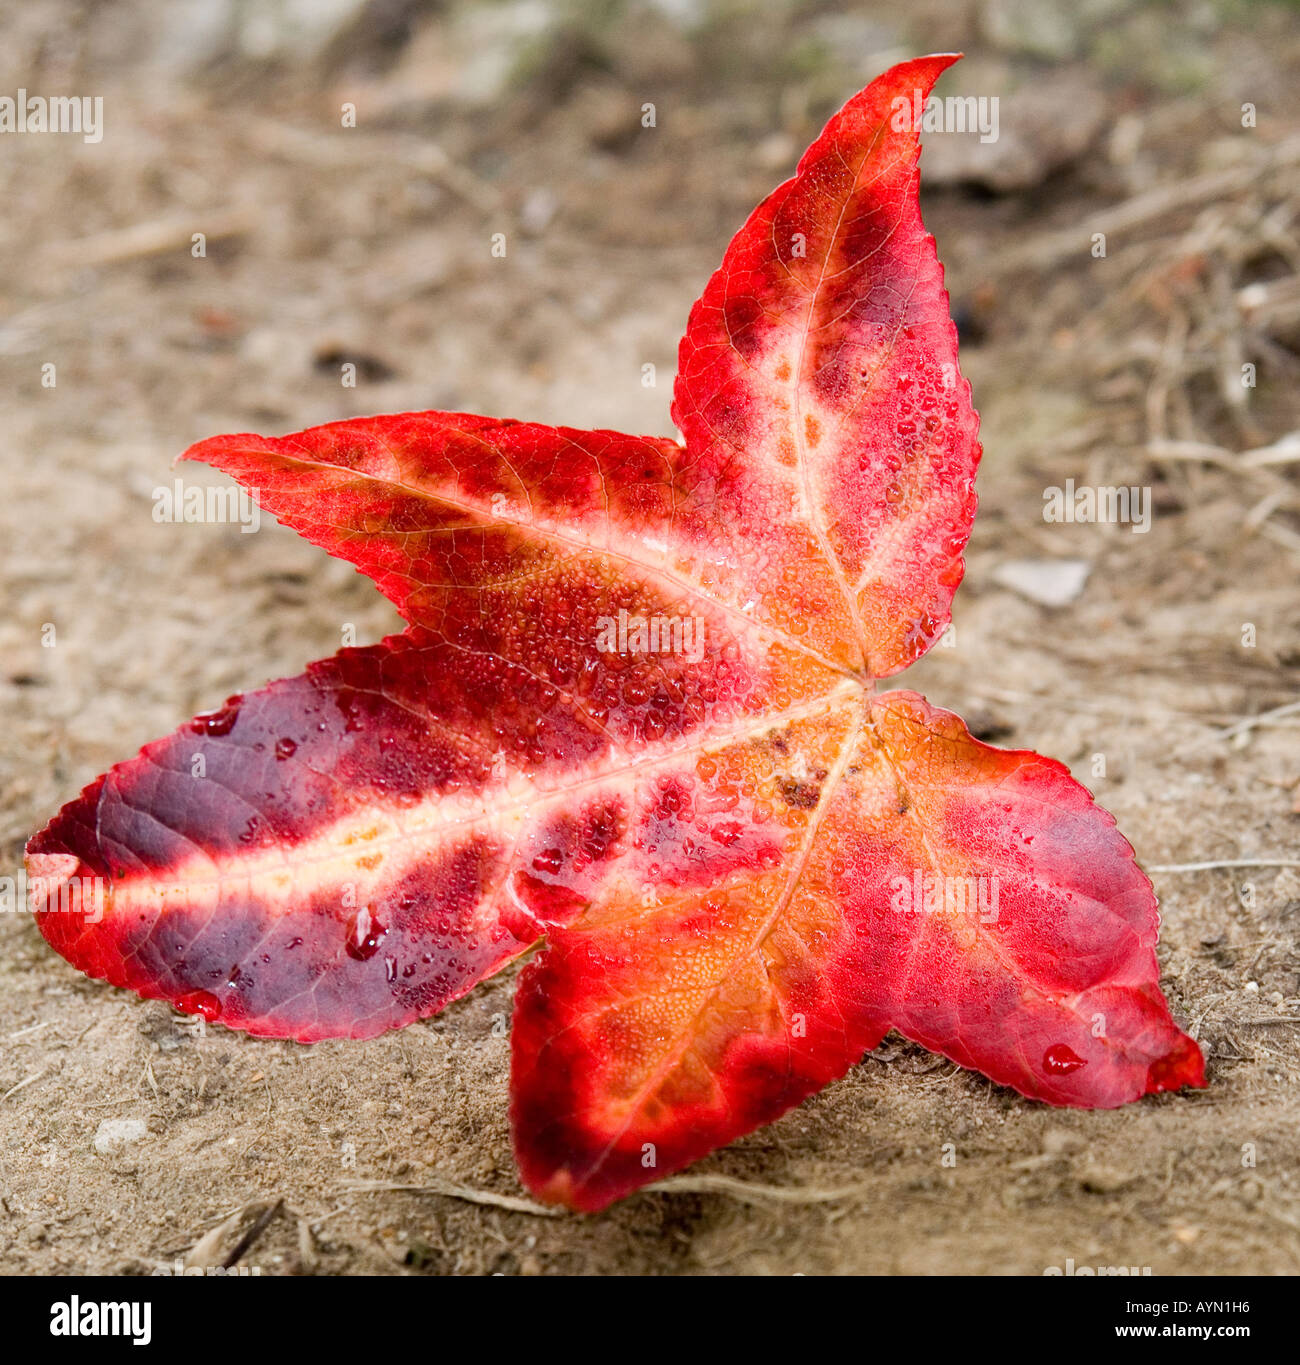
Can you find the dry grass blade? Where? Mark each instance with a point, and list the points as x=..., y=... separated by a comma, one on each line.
x=751, y=1193
x=452, y=1189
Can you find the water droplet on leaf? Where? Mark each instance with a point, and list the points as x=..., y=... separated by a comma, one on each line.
x=1060, y=1060
x=203, y=1003
x=365, y=934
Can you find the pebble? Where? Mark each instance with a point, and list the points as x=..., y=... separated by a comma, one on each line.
x=114, y=1134
x=1104, y=1179
x=1058, y=1141
x=1050, y=582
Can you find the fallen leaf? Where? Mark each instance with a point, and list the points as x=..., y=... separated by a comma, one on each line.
x=635, y=716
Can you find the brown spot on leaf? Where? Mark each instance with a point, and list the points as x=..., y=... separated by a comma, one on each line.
x=804, y=795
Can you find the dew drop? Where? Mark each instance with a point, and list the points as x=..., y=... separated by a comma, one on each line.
x=203, y=1003
x=1060, y=1060
x=365, y=934
x=549, y=860
x=219, y=722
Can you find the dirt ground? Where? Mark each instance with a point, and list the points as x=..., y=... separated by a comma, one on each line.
x=125, y=1138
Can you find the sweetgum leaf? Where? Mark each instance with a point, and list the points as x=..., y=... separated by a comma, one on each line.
x=651, y=1036
x=634, y=718
x=818, y=384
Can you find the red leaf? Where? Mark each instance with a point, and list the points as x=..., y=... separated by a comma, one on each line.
x=973, y=898
x=291, y=863
x=449, y=513
x=818, y=384
x=634, y=715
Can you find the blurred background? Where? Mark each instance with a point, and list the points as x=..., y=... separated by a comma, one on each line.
x=508, y=206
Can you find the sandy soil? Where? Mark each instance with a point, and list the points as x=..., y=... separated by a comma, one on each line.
x=125, y=1138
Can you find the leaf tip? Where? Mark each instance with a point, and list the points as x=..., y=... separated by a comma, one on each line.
x=1182, y=1066
x=557, y=1186
x=201, y=452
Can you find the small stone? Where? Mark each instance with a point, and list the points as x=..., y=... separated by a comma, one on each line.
x=776, y=152
x=1059, y=1141
x=539, y=207
x=1104, y=1179
x=114, y=1134
x=1049, y=582
x=1019, y=132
